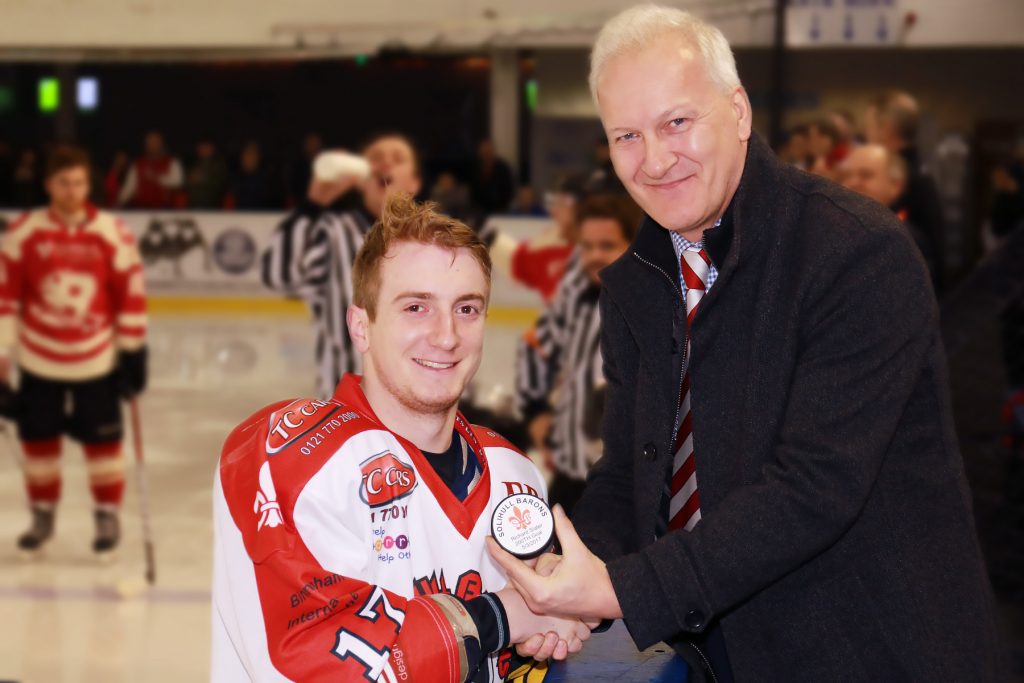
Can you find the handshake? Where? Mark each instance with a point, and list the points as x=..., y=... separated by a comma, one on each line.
x=554, y=601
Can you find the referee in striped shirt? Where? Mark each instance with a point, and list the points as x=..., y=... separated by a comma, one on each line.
x=312, y=250
x=559, y=379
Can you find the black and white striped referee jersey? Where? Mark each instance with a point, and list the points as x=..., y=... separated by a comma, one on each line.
x=559, y=371
x=311, y=256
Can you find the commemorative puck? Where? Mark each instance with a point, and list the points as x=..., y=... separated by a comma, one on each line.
x=523, y=525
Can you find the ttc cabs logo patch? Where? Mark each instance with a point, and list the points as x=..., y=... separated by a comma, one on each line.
x=385, y=480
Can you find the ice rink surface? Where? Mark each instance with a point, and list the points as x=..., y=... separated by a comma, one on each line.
x=69, y=619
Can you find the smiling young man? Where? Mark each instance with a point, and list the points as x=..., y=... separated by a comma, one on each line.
x=781, y=495
x=349, y=533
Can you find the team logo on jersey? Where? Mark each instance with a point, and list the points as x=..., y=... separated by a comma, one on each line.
x=266, y=505
x=291, y=422
x=385, y=480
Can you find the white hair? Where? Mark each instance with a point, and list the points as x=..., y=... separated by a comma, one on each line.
x=633, y=29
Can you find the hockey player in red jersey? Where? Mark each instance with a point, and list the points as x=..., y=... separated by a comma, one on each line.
x=349, y=533
x=73, y=314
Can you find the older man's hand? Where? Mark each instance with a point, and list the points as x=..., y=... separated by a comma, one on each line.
x=576, y=586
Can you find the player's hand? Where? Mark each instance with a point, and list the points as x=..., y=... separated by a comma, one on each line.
x=578, y=585
x=324, y=192
x=538, y=636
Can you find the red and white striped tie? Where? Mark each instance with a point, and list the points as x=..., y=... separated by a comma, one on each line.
x=684, y=504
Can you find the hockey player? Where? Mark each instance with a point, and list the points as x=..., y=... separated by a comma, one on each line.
x=73, y=309
x=540, y=263
x=349, y=532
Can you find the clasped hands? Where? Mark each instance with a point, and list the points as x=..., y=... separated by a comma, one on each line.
x=554, y=601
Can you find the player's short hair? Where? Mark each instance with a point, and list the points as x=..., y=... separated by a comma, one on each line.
x=405, y=220
x=64, y=157
x=900, y=109
x=377, y=136
x=618, y=207
x=633, y=29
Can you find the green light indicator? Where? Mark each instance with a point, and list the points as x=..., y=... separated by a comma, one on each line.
x=531, y=94
x=6, y=98
x=49, y=95
x=362, y=60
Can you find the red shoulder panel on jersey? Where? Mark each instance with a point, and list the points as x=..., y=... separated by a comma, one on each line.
x=492, y=439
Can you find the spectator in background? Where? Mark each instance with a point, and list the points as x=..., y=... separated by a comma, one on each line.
x=526, y=204
x=795, y=150
x=821, y=141
x=252, y=189
x=6, y=172
x=27, y=181
x=559, y=379
x=846, y=129
x=207, y=179
x=113, y=179
x=452, y=196
x=602, y=177
x=154, y=179
x=491, y=185
x=875, y=172
x=540, y=262
x=892, y=120
x=1008, y=195
x=299, y=172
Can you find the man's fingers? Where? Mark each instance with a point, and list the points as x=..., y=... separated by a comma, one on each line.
x=531, y=645
x=561, y=650
x=548, y=648
x=522, y=577
x=547, y=563
x=575, y=645
x=566, y=532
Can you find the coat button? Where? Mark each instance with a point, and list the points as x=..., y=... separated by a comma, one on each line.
x=650, y=451
x=694, y=620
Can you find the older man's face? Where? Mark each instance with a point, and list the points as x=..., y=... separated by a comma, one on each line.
x=677, y=142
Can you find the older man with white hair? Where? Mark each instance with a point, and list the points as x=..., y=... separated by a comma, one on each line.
x=781, y=496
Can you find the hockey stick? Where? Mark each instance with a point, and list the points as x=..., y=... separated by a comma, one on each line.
x=140, y=475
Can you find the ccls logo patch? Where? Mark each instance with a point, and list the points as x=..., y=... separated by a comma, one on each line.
x=385, y=480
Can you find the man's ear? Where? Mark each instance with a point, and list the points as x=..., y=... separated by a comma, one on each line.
x=358, y=321
x=744, y=113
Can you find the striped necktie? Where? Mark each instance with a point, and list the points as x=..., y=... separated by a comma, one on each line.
x=684, y=504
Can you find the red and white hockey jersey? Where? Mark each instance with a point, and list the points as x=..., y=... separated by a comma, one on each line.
x=330, y=530
x=70, y=296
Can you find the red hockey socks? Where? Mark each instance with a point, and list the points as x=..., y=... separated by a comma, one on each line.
x=42, y=471
x=106, y=473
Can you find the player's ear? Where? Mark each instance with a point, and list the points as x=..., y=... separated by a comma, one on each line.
x=358, y=321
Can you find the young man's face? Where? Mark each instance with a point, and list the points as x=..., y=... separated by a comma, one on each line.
x=677, y=140
x=392, y=169
x=424, y=345
x=601, y=243
x=69, y=189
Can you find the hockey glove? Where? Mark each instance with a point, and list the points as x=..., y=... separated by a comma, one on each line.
x=131, y=373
